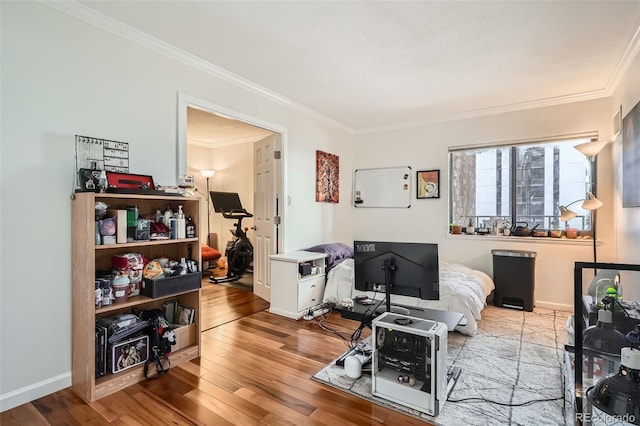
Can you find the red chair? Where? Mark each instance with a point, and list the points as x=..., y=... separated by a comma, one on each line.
x=210, y=255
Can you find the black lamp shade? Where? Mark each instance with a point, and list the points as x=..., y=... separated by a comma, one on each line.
x=603, y=336
x=619, y=394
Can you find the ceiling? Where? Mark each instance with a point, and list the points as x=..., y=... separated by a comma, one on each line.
x=368, y=66
x=206, y=129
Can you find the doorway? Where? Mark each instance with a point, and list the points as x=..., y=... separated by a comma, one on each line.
x=240, y=150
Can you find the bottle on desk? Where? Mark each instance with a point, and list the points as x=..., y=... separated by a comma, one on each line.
x=181, y=223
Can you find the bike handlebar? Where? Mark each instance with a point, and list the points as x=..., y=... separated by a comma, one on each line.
x=236, y=214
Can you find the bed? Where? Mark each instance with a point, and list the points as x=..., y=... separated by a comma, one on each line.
x=462, y=289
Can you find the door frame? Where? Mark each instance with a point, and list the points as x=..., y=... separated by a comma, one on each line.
x=185, y=101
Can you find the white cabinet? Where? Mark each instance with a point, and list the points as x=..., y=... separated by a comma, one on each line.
x=297, y=282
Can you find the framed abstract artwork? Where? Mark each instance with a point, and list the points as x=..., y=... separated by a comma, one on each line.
x=327, y=177
x=631, y=158
x=428, y=183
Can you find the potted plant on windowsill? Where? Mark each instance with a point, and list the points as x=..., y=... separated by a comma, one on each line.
x=470, y=229
x=455, y=228
x=571, y=233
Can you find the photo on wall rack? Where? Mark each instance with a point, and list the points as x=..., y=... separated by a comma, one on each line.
x=428, y=183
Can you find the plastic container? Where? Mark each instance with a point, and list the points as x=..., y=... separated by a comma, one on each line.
x=120, y=287
x=120, y=292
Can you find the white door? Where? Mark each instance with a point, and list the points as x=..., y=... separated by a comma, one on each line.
x=265, y=205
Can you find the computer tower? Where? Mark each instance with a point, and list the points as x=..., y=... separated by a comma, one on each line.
x=410, y=362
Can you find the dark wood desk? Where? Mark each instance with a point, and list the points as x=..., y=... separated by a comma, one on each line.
x=358, y=312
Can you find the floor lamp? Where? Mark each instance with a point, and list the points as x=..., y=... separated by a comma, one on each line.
x=591, y=150
x=589, y=203
x=208, y=174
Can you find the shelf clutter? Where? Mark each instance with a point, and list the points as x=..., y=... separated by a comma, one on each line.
x=149, y=267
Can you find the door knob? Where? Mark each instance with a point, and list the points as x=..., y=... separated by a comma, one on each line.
x=254, y=227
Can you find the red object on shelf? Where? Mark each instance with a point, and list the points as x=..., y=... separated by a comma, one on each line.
x=129, y=181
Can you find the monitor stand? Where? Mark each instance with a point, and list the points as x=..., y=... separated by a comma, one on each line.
x=390, y=268
x=360, y=312
x=393, y=308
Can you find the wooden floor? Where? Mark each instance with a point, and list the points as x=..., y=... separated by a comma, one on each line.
x=255, y=368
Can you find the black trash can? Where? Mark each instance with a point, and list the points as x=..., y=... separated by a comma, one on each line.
x=514, y=274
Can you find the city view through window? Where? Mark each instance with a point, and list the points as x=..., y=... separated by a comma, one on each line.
x=522, y=184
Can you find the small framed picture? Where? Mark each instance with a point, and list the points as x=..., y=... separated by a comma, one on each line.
x=170, y=310
x=184, y=315
x=428, y=183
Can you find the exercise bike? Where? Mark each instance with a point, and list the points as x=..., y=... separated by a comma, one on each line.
x=239, y=252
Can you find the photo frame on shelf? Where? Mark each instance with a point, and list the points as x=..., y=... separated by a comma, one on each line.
x=184, y=314
x=170, y=309
x=428, y=184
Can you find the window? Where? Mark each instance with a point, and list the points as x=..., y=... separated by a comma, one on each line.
x=519, y=183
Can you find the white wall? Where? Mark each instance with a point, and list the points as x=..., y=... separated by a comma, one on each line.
x=628, y=232
x=62, y=77
x=426, y=147
x=234, y=173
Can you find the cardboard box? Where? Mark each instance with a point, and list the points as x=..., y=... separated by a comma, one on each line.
x=173, y=285
x=121, y=224
x=185, y=336
x=129, y=353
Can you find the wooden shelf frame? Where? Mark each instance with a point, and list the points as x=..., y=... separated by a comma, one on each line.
x=87, y=258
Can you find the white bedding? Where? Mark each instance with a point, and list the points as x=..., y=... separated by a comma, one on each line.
x=462, y=289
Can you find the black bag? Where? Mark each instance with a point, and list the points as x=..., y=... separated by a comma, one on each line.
x=161, y=338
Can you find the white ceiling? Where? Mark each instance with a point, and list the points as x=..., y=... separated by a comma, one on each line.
x=369, y=65
x=206, y=129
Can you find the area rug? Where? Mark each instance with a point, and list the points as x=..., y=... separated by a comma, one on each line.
x=512, y=373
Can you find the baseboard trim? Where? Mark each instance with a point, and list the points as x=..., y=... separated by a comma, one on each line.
x=34, y=391
x=554, y=306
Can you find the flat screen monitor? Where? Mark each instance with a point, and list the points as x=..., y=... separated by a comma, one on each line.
x=408, y=269
x=225, y=202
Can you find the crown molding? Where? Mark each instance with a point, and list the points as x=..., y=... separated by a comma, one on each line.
x=483, y=112
x=633, y=49
x=92, y=17
x=99, y=20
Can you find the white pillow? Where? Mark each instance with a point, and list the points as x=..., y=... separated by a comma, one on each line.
x=339, y=282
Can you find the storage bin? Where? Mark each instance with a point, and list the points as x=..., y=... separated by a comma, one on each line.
x=185, y=336
x=172, y=285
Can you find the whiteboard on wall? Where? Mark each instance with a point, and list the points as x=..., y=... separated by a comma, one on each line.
x=384, y=187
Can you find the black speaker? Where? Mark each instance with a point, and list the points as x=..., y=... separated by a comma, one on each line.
x=304, y=269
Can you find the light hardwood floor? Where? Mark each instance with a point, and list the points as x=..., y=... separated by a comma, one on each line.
x=255, y=368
